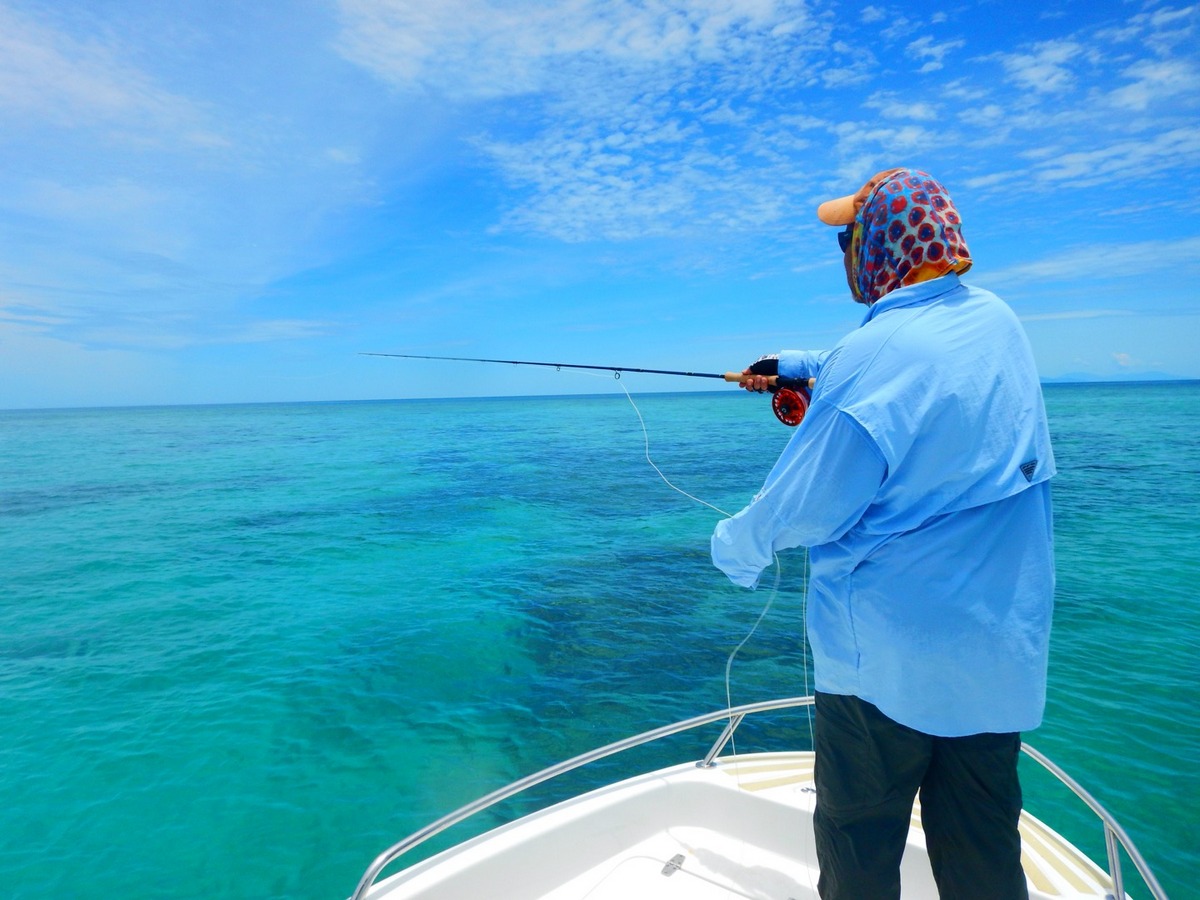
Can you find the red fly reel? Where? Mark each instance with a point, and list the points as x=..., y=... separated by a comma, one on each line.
x=790, y=405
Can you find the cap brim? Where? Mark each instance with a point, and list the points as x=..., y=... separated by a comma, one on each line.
x=837, y=212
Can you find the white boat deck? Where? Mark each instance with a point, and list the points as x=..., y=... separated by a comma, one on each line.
x=739, y=829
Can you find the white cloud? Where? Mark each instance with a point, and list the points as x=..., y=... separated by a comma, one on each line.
x=579, y=190
x=1168, y=27
x=1096, y=261
x=481, y=49
x=858, y=72
x=155, y=184
x=988, y=116
x=892, y=105
x=668, y=116
x=21, y=312
x=1156, y=81
x=724, y=115
x=853, y=136
x=1130, y=159
x=1044, y=68
x=50, y=77
x=934, y=53
x=964, y=91
x=982, y=182
x=638, y=117
x=1112, y=105
x=899, y=27
x=153, y=330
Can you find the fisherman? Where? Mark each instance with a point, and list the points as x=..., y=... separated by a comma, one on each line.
x=920, y=481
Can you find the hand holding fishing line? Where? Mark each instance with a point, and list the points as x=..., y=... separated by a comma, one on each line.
x=790, y=395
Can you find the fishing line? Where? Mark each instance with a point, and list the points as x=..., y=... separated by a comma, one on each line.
x=737, y=773
x=646, y=441
x=771, y=598
x=736, y=650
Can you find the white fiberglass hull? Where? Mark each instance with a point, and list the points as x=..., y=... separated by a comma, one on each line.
x=739, y=829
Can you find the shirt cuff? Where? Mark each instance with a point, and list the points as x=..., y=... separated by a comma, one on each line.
x=725, y=556
x=798, y=364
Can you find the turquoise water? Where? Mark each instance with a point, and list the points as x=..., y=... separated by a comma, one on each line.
x=245, y=648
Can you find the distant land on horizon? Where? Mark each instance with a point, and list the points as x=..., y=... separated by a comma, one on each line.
x=1086, y=378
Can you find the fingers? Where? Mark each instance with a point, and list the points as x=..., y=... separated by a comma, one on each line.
x=754, y=382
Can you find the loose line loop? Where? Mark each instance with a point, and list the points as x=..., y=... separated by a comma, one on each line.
x=770, y=598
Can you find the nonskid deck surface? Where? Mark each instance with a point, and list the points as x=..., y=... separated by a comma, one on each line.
x=740, y=829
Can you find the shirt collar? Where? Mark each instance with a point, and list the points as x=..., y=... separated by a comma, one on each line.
x=913, y=295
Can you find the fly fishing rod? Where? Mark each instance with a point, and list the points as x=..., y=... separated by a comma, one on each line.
x=789, y=401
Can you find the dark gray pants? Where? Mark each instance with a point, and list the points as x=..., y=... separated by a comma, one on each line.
x=869, y=769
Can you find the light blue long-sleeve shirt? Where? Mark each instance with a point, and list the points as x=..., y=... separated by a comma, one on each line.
x=919, y=478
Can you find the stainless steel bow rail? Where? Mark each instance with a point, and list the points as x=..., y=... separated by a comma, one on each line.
x=1114, y=835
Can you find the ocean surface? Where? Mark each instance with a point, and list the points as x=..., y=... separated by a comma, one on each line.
x=243, y=649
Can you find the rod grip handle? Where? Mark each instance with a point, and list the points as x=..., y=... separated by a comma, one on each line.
x=738, y=378
x=772, y=380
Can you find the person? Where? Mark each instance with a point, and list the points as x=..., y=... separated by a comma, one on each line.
x=919, y=480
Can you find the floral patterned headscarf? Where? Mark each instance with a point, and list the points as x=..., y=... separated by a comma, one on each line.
x=907, y=231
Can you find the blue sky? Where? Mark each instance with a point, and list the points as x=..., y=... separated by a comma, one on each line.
x=226, y=202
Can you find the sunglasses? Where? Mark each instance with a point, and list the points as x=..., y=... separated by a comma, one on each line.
x=845, y=237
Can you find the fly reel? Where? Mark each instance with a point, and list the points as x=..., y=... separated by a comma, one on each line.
x=789, y=402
